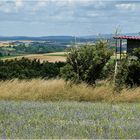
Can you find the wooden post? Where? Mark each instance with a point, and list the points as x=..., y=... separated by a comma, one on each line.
x=116, y=60
x=116, y=50
x=120, y=49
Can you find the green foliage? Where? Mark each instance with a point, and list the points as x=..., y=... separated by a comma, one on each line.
x=86, y=63
x=33, y=48
x=129, y=71
x=108, y=70
x=38, y=48
x=1, y=54
x=27, y=69
x=136, y=53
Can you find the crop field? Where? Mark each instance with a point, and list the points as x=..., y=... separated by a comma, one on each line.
x=50, y=57
x=39, y=120
x=47, y=57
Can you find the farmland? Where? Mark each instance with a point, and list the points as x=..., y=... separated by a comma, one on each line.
x=69, y=69
x=44, y=103
x=51, y=57
x=38, y=120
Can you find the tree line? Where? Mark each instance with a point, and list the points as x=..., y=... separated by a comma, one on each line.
x=27, y=69
x=32, y=48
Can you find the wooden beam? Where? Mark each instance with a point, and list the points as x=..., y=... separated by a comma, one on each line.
x=116, y=49
x=120, y=49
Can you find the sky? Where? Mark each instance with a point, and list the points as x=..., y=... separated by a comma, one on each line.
x=68, y=17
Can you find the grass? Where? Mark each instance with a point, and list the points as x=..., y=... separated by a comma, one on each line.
x=58, y=90
x=68, y=120
x=43, y=109
x=10, y=56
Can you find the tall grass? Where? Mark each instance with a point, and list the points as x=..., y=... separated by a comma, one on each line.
x=58, y=90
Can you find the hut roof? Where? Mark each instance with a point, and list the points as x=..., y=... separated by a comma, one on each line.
x=127, y=37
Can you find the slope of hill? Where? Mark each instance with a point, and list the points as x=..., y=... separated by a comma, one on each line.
x=68, y=38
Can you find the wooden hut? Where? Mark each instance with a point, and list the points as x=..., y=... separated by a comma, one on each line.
x=131, y=43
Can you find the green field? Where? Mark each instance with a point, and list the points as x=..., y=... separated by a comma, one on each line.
x=10, y=56
x=69, y=120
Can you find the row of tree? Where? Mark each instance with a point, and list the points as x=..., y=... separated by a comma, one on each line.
x=37, y=47
x=27, y=69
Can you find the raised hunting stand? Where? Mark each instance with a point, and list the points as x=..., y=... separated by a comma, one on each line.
x=131, y=43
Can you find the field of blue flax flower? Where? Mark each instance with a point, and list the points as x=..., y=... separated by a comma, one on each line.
x=39, y=120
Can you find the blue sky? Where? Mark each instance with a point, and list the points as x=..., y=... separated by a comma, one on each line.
x=68, y=17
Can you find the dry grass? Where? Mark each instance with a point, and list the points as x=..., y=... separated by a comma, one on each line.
x=57, y=90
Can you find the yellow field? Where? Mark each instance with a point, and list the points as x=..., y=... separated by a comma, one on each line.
x=57, y=90
x=2, y=44
x=50, y=57
x=11, y=43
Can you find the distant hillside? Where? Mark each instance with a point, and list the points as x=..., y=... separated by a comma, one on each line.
x=4, y=38
x=106, y=36
x=47, y=38
x=61, y=38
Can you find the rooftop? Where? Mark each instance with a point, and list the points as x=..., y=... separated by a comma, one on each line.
x=127, y=37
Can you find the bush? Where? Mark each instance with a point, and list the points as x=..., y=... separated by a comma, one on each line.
x=1, y=54
x=129, y=71
x=85, y=64
x=136, y=53
x=108, y=70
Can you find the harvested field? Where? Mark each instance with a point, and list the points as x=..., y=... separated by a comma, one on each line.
x=50, y=57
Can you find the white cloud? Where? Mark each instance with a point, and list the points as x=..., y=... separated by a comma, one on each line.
x=91, y=14
x=39, y=5
x=18, y=3
x=10, y=6
x=126, y=6
x=5, y=7
x=6, y=10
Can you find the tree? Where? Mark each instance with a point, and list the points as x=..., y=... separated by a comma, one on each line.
x=85, y=64
x=26, y=69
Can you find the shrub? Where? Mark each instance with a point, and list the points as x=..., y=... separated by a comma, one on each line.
x=85, y=64
x=108, y=70
x=1, y=54
x=136, y=53
x=129, y=70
